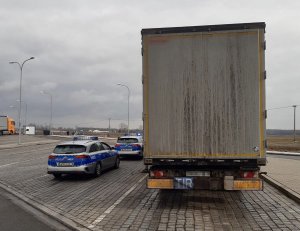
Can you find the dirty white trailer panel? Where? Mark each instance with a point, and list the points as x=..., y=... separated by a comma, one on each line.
x=204, y=91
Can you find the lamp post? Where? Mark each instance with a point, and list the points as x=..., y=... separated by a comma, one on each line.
x=25, y=120
x=47, y=93
x=295, y=106
x=122, y=85
x=109, y=119
x=20, y=98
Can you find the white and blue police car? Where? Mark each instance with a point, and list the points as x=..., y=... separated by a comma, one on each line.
x=82, y=155
x=130, y=146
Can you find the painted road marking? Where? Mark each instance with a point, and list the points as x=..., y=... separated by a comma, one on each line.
x=5, y=165
x=26, y=151
x=110, y=209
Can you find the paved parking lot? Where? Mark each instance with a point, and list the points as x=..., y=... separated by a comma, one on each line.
x=119, y=199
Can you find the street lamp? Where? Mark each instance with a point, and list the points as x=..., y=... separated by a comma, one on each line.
x=122, y=85
x=20, y=98
x=47, y=93
x=25, y=121
x=295, y=106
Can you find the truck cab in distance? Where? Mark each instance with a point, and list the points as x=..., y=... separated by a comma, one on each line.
x=7, y=125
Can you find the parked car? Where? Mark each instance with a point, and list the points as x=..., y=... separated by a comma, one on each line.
x=88, y=156
x=130, y=146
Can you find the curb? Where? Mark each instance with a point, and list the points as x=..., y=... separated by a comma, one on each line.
x=283, y=153
x=282, y=188
x=54, y=215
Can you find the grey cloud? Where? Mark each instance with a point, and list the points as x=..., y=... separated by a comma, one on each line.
x=83, y=48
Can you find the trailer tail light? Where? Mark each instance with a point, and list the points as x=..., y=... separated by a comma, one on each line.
x=82, y=157
x=249, y=174
x=51, y=157
x=157, y=173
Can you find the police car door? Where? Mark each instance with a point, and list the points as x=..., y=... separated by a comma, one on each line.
x=111, y=155
x=94, y=152
x=104, y=156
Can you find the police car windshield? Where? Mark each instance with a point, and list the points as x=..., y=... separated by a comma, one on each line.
x=127, y=140
x=68, y=149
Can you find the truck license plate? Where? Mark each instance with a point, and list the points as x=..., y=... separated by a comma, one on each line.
x=183, y=182
x=65, y=164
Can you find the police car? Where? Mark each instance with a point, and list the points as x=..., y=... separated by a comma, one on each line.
x=130, y=146
x=82, y=155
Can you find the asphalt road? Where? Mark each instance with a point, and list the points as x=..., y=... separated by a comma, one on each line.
x=119, y=199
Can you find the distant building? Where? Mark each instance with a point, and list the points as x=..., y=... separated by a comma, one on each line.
x=30, y=130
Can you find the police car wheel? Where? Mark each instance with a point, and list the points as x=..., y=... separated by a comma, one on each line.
x=117, y=164
x=98, y=169
x=140, y=156
x=57, y=175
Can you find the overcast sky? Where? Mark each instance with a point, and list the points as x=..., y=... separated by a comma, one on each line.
x=83, y=48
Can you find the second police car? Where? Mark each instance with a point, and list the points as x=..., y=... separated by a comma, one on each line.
x=130, y=146
x=82, y=155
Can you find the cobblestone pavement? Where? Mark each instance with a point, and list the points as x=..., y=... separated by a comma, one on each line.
x=119, y=199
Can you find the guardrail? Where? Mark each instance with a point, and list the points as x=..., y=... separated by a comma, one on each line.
x=283, y=153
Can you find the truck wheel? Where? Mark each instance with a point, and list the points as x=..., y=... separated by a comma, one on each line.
x=98, y=170
x=117, y=163
x=57, y=175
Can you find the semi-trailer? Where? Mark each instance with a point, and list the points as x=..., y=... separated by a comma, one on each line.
x=204, y=106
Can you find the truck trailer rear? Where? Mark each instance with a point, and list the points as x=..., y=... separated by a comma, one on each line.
x=204, y=106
